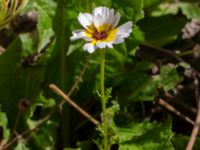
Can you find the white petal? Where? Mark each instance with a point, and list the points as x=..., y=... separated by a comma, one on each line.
x=118, y=40
x=99, y=11
x=109, y=45
x=125, y=29
x=77, y=34
x=97, y=20
x=105, y=13
x=104, y=45
x=101, y=45
x=108, y=14
x=109, y=17
x=116, y=20
x=85, y=19
x=89, y=47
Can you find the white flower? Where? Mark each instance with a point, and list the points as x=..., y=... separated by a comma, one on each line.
x=100, y=29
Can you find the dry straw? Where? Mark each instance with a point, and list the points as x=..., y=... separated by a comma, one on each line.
x=9, y=9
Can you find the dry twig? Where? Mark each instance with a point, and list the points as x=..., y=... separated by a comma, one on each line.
x=181, y=103
x=172, y=109
x=195, y=129
x=72, y=103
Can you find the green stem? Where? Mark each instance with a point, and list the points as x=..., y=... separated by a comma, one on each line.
x=64, y=132
x=185, y=53
x=103, y=98
x=16, y=121
x=62, y=45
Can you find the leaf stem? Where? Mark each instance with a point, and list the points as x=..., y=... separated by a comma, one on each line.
x=103, y=98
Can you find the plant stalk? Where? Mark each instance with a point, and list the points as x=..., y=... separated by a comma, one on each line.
x=103, y=98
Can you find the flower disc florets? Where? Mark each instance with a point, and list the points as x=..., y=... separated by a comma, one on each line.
x=100, y=29
x=100, y=35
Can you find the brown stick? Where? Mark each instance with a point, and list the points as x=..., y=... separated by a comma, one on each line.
x=194, y=132
x=172, y=109
x=72, y=103
x=75, y=86
x=181, y=103
x=197, y=122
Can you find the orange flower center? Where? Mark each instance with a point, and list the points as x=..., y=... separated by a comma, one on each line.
x=99, y=35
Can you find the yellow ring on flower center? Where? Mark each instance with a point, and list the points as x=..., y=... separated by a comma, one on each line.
x=103, y=33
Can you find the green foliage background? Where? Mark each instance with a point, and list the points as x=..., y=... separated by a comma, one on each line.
x=128, y=73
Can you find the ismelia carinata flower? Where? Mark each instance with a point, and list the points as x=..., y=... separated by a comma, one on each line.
x=100, y=29
x=9, y=9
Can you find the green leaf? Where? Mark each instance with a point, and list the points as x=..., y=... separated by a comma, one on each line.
x=180, y=142
x=168, y=77
x=143, y=135
x=44, y=104
x=165, y=9
x=137, y=38
x=10, y=91
x=144, y=90
x=161, y=30
x=150, y=3
x=190, y=10
x=21, y=146
x=137, y=9
x=97, y=3
x=131, y=10
x=48, y=6
x=146, y=136
x=144, y=87
x=73, y=47
x=128, y=147
x=3, y=124
x=29, y=43
x=71, y=148
x=44, y=27
x=45, y=139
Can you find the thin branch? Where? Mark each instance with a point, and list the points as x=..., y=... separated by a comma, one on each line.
x=75, y=86
x=186, y=106
x=181, y=103
x=160, y=52
x=16, y=122
x=196, y=85
x=194, y=131
x=73, y=104
x=172, y=109
x=197, y=121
